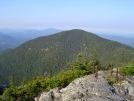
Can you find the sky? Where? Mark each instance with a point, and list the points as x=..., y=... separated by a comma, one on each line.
x=94, y=15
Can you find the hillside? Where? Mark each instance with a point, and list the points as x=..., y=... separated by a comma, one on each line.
x=7, y=42
x=10, y=38
x=53, y=53
x=121, y=39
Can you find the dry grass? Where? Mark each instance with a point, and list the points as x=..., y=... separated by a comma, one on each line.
x=112, y=78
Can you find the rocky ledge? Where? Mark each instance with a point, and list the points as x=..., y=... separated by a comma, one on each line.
x=88, y=88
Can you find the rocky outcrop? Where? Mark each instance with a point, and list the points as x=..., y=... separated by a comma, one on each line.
x=130, y=87
x=88, y=88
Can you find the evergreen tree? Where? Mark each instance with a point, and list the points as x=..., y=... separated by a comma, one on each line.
x=12, y=82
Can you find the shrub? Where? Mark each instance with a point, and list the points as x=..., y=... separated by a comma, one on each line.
x=128, y=70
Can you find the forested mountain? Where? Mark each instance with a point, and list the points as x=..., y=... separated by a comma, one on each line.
x=7, y=42
x=13, y=38
x=29, y=33
x=121, y=39
x=53, y=53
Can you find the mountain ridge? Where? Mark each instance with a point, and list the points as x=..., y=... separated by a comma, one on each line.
x=14, y=38
x=53, y=53
x=9, y=42
x=29, y=33
x=121, y=39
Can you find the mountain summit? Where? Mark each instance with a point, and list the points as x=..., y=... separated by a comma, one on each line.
x=54, y=53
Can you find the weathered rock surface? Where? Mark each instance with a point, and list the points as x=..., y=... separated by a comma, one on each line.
x=88, y=88
x=130, y=87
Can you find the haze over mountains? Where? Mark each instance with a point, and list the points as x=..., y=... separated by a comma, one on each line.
x=29, y=33
x=10, y=38
x=53, y=53
x=124, y=39
x=41, y=42
x=8, y=42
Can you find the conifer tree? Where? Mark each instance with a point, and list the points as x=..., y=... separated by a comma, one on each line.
x=12, y=82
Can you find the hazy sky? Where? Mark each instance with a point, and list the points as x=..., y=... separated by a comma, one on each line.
x=98, y=15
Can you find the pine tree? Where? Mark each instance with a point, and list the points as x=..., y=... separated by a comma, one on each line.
x=12, y=82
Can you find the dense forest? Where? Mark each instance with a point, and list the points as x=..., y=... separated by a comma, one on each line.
x=9, y=42
x=54, y=53
x=28, y=91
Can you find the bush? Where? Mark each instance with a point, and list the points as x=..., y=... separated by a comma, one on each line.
x=34, y=87
x=128, y=70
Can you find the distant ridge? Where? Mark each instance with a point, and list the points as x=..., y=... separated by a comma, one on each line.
x=53, y=53
x=29, y=33
x=11, y=38
x=9, y=42
x=121, y=39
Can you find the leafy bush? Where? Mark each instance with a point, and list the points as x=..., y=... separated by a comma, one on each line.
x=128, y=70
x=34, y=87
x=28, y=91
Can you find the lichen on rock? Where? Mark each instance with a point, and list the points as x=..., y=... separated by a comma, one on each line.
x=88, y=88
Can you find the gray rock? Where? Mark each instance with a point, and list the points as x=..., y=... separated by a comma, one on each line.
x=88, y=88
x=131, y=91
x=36, y=99
x=128, y=86
x=45, y=96
x=55, y=93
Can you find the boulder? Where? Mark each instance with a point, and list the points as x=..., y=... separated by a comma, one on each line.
x=88, y=88
x=45, y=96
x=55, y=93
x=129, y=87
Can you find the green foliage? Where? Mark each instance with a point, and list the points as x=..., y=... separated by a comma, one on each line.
x=23, y=82
x=128, y=70
x=9, y=42
x=55, y=52
x=81, y=67
x=82, y=64
x=12, y=83
x=95, y=58
x=39, y=84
